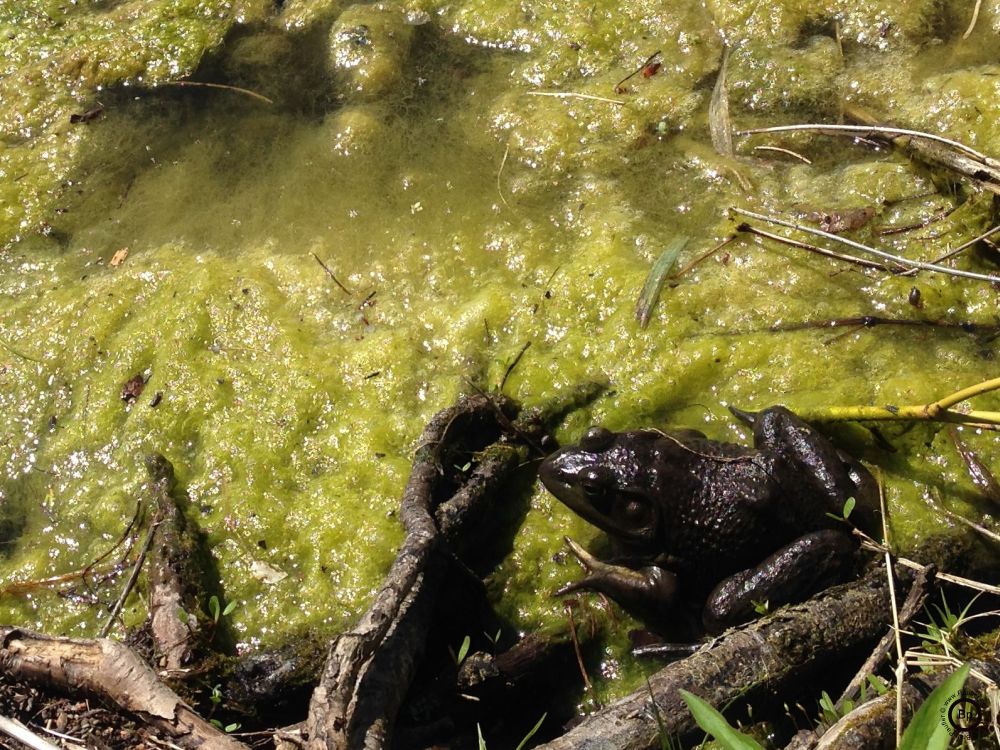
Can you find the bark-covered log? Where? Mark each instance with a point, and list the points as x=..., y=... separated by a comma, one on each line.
x=111, y=672
x=765, y=657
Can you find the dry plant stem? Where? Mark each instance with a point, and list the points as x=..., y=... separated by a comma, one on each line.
x=899, y=260
x=109, y=671
x=704, y=256
x=25, y=736
x=890, y=575
x=572, y=95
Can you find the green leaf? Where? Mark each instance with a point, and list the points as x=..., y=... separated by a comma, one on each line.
x=849, y=504
x=463, y=650
x=529, y=735
x=926, y=730
x=213, y=607
x=229, y=609
x=233, y=727
x=654, y=282
x=712, y=722
x=479, y=734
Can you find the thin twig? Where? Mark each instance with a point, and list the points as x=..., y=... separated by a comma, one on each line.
x=704, y=256
x=223, y=86
x=975, y=17
x=503, y=161
x=130, y=583
x=576, y=648
x=800, y=157
x=573, y=95
x=970, y=243
x=748, y=229
x=865, y=248
x=512, y=365
x=900, y=658
x=330, y=274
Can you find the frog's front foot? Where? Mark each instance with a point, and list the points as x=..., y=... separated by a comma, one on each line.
x=792, y=574
x=649, y=590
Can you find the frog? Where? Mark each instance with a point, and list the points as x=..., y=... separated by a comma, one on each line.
x=739, y=528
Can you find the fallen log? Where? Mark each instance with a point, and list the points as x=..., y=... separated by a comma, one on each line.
x=768, y=656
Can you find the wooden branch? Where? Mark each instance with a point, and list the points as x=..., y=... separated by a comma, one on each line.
x=111, y=672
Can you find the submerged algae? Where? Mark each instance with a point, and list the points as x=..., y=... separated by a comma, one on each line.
x=464, y=219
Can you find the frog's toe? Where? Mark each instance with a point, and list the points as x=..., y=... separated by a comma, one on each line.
x=649, y=589
x=746, y=417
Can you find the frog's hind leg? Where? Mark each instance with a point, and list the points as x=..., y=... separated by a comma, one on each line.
x=792, y=574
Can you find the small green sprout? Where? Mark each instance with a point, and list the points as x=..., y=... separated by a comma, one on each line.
x=761, y=608
x=463, y=650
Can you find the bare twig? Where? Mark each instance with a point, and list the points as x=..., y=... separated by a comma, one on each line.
x=330, y=274
x=975, y=17
x=787, y=151
x=133, y=577
x=952, y=253
x=748, y=229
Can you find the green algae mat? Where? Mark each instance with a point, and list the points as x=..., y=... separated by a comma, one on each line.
x=270, y=241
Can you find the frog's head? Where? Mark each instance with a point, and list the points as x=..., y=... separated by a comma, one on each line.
x=607, y=479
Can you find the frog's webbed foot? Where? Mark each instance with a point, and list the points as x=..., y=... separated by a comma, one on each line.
x=792, y=574
x=651, y=589
x=746, y=417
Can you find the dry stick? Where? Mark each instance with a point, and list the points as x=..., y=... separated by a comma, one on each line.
x=576, y=648
x=992, y=535
x=503, y=161
x=865, y=248
x=900, y=658
x=964, y=246
x=746, y=228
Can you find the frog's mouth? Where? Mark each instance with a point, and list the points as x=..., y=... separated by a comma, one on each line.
x=625, y=513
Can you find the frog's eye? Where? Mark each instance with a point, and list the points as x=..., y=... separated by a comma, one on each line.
x=596, y=439
x=595, y=489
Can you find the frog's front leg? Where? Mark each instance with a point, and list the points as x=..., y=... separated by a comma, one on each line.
x=792, y=574
x=824, y=470
x=648, y=591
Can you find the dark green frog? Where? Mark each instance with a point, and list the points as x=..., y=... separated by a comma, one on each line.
x=736, y=527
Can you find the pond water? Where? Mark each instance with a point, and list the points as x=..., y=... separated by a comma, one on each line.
x=404, y=151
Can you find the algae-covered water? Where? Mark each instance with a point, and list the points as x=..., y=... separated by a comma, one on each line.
x=463, y=217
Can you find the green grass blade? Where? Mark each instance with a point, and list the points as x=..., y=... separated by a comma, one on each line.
x=712, y=722
x=529, y=735
x=654, y=282
x=926, y=731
